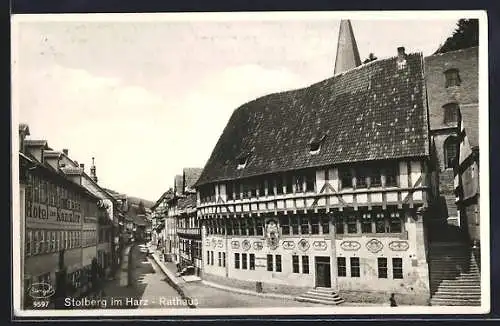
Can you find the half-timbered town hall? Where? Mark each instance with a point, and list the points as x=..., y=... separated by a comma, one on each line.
x=325, y=187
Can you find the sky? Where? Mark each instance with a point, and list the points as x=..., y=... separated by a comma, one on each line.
x=147, y=98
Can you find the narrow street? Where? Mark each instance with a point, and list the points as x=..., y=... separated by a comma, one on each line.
x=149, y=288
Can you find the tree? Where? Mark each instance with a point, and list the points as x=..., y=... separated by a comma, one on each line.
x=371, y=57
x=466, y=35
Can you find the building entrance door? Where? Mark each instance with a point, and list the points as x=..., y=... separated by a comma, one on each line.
x=323, y=276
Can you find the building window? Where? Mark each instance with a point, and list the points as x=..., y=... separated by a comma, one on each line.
x=279, y=185
x=223, y=259
x=305, y=264
x=27, y=245
x=352, y=223
x=243, y=261
x=208, y=257
x=229, y=191
x=229, y=227
x=315, y=225
x=246, y=190
x=212, y=257
x=397, y=268
x=346, y=178
x=395, y=223
x=236, y=225
x=299, y=184
x=325, y=224
x=341, y=267
x=278, y=263
x=243, y=227
x=251, y=229
x=361, y=177
x=295, y=225
x=450, y=113
x=269, y=263
x=262, y=188
x=258, y=226
x=285, y=226
x=289, y=183
x=380, y=226
x=295, y=264
x=450, y=152
x=237, y=191
x=220, y=259
x=236, y=260
x=382, y=267
x=452, y=77
x=366, y=223
x=339, y=224
x=391, y=175
x=310, y=177
x=355, y=267
x=252, y=262
x=304, y=226
x=375, y=178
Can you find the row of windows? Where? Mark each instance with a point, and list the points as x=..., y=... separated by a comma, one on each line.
x=276, y=266
x=221, y=259
x=247, y=261
x=382, y=268
x=347, y=223
x=50, y=241
x=42, y=191
x=361, y=177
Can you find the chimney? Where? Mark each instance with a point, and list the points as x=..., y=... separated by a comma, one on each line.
x=82, y=165
x=65, y=151
x=401, y=61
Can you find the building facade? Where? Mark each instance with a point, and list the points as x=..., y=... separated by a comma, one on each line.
x=59, y=219
x=326, y=186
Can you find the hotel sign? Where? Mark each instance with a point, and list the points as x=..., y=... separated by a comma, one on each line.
x=50, y=213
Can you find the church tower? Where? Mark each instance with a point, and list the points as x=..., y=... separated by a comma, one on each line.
x=347, y=49
x=92, y=171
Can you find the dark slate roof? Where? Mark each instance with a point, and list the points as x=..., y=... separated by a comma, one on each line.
x=166, y=195
x=137, y=200
x=187, y=202
x=371, y=112
x=37, y=143
x=470, y=120
x=191, y=175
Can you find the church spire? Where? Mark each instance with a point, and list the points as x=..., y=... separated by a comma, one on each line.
x=347, y=49
x=93, y=175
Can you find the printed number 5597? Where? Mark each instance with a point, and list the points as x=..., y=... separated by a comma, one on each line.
x=40, y=304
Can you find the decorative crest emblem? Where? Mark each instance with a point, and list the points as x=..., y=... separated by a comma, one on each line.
x=272, y=234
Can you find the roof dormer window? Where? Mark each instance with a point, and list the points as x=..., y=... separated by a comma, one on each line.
x=242, y=161
x=315, y=144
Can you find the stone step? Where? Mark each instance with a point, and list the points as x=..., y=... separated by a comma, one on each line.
x=457, y=292
x=443, y=295
x=329, y=291
x=462, y=287
x=321, y=301
x=455, y=302
x=311, y=295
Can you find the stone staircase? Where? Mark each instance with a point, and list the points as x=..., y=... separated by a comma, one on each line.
x=321, y=295
x=454, y=276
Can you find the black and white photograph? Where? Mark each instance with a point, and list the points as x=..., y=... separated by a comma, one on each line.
x=265, y=163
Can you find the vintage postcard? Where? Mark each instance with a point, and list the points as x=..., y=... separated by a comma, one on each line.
x=263, y=163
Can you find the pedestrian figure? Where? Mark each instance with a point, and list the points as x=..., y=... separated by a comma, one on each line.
x=393, y=301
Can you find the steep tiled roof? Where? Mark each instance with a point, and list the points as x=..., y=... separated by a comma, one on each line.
x=187, y=203
x=36, y=143
x=166, y=195
x=371, y=112
x=191, y=175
